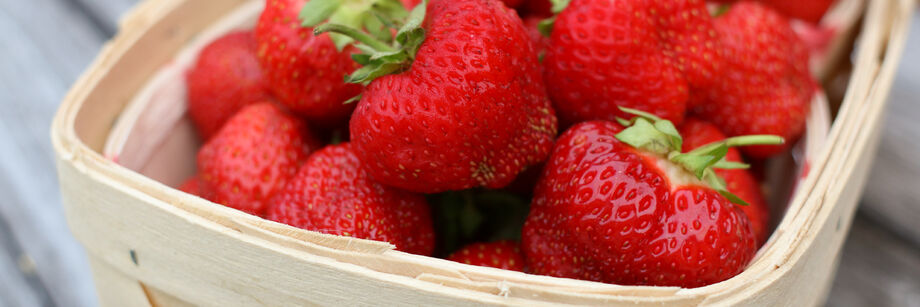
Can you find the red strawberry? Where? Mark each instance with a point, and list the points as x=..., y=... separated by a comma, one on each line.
x=460, y=102
x=501, y=254
x=532, y=24
x=192, y=185
x=740, y=182
x=633, y=53
x=607, y=211
x=225, y=78
x=766, y=87
x=305, y=71
x=810, y=10
x=333, y=194
x=688, y=34
x=252, y=157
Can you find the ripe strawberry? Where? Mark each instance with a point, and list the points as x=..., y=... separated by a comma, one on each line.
x=740, y=182
x=225, y=78
x=501, y=254
x=811, y=10
x=458, y=102
x=766, y=87
x=532, y=23
x=305, y=71
x=633, y=53
x=333, y=194
x=252, y=157
x=687, y=32
x=611, y=207
x=192, y=185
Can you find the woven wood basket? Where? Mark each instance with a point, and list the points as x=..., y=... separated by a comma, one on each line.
x=122, y=139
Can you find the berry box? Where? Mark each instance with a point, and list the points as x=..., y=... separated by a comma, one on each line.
x=123, y=139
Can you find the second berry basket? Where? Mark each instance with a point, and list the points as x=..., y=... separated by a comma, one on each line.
x=122, y=140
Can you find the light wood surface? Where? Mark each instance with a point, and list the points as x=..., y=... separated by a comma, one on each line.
x=40, y=264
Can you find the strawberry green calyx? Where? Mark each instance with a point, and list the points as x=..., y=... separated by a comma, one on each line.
x=651, y=133
x=546, y=26
x=357, y=14
x=381, y=52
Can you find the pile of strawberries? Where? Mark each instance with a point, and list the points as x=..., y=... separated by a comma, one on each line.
x=591, y=140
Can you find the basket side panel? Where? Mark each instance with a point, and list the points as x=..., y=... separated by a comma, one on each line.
x=148, y=38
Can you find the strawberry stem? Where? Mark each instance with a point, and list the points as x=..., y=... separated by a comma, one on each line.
x=651, y=133
x=355, y=34
x=755, y=139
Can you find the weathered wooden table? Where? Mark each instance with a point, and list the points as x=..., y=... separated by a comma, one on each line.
x=45, y=45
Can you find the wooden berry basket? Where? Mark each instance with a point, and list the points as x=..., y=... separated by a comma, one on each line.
x=152, y=245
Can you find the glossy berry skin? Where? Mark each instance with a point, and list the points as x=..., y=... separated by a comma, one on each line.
x=252, y=157
x=305, y=72
x=470, y=111
x=648, y=55
x=604, y=211
x=226, y=77
x=766, y=86
x=688, y=35
x=740, y=182
x=333, y=194
x=500, y=254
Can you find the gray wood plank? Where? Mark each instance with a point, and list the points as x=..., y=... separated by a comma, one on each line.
x=106, y=13
x=17, y=286
x=47, y=46
x=877, y=268
x=893, y=190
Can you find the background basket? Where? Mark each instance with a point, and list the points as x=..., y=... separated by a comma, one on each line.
x=152, y=245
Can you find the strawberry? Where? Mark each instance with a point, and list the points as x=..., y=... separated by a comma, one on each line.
x=225, y=78
x=647, y=55
x=688, y=35
x=455, y=101
x=532, y=23
x=333, y=194
x=305, y=71
x=766, y=86
x=501, y=254
x=252, y=156
x=811, y=11
x=192, y=185
x=740, y=182
x=625, y=206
